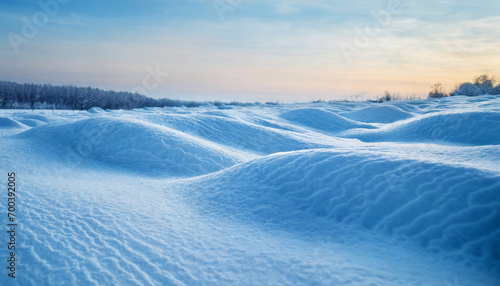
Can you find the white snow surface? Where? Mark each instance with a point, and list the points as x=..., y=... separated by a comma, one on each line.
x=346, y=193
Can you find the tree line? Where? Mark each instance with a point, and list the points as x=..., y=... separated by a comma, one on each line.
x=46, y=96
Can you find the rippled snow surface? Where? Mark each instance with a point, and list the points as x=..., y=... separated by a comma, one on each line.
x=402, y=193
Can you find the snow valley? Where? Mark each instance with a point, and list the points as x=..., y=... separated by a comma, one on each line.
x=341, y=193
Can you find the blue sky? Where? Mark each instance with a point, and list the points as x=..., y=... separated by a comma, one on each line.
x=259, y=50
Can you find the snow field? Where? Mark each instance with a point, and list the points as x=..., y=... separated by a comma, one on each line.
x=403, y=193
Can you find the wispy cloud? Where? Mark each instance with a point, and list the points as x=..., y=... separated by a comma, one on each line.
x=263, y=49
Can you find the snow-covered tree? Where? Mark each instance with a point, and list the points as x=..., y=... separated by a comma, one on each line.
x=485, y=83
x=468, y=89
x=496, y=90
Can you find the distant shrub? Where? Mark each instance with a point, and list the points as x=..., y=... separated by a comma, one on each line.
x=496, y=90
x=485, y=83
x=437, y=91
x=482, y=84
x=396, y=96
x=467, y=89
x=318, y=101
x=387, y=97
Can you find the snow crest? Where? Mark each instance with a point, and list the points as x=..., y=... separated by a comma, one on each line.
x=7, y=123
x=469, y=128
x=380, y=114
x=138, y=146
x=454, y=210
x=322, y=120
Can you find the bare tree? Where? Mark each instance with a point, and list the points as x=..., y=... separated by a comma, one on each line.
x=437, y=91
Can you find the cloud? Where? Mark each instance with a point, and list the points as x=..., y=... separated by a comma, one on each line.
x=264, y=49
x=286, y=8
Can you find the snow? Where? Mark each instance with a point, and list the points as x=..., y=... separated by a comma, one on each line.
x=322, y=120
x=399, y=193
x=465, y=127
x=379, y=114
x=95, y=110
x=7, y=123
x=138, y=145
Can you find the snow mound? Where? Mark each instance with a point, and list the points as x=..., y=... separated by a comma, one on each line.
x=469, y=128
x=235, y=133
x=7, y=123
x=138, y=146
x=322, y=120
x=96, y=110
x=31, y=122
x=379, y=114
x=32, y=116
x=455, y=212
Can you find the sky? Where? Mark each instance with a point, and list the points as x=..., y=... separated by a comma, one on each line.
x=250, y=50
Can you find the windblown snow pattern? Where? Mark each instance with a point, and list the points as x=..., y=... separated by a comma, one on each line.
x=341, y=193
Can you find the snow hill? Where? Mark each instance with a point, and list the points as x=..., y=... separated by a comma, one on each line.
x=351, y=193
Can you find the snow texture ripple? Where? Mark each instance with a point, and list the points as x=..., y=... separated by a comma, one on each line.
x=346, y=193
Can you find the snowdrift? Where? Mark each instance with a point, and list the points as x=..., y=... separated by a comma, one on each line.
x=7, y=123
x=236, y=133
x=348, y=193
x=380, y=114
x=138, y=146
x=441, y=208
x=468, y=128
x=31, y=122
x=36, y=117
x=322, y=120
x=96, y=110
